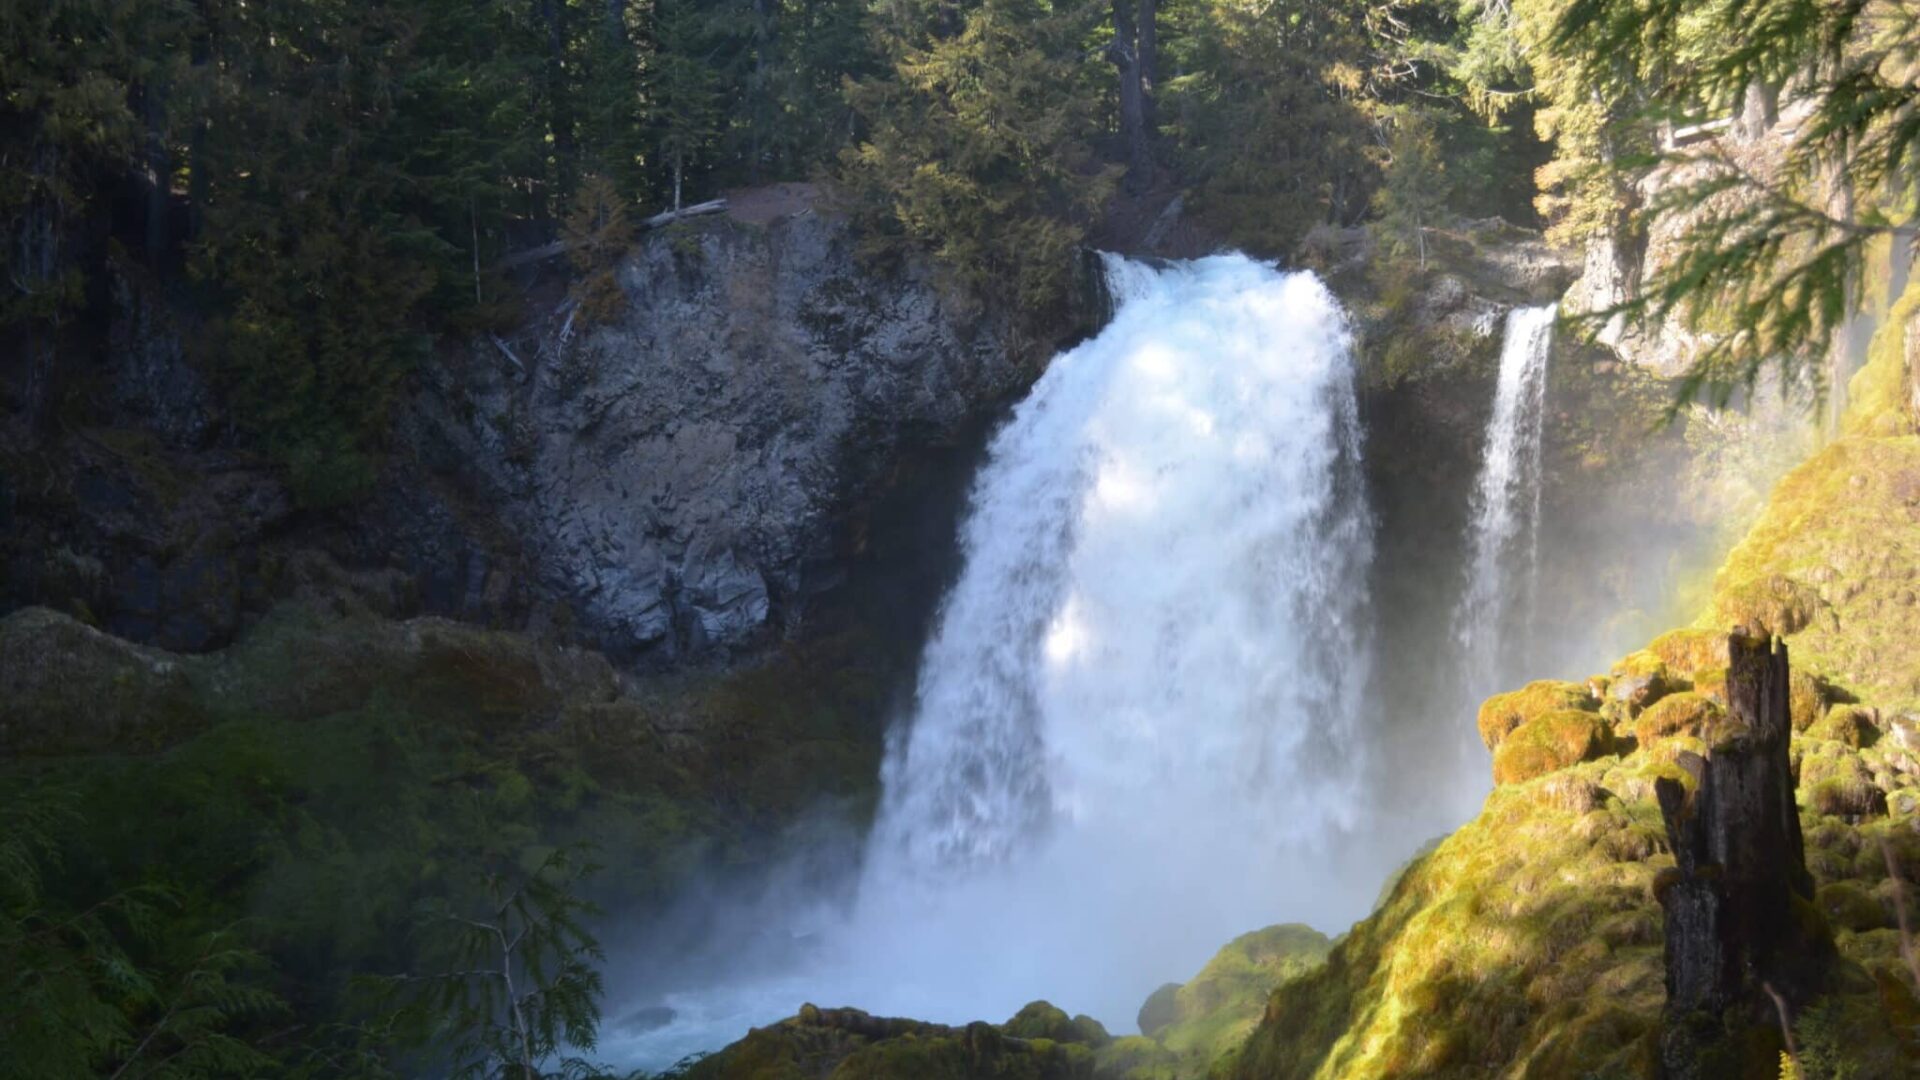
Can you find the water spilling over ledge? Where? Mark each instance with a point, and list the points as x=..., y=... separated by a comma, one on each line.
x=1136, y=731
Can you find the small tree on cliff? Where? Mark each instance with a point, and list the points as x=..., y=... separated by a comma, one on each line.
x=1414, y=196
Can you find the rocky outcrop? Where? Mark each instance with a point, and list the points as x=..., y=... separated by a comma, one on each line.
x=682, y=482
x=680, y=477
x=848, y=1044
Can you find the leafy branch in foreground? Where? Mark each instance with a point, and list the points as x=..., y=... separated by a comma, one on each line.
x=1770, y=260
x=104, y=990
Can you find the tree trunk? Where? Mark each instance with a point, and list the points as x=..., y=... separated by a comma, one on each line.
x=159, y=172
x=1147, y=47
x=1734, y=941
x=559, y=105
x=1124, y=53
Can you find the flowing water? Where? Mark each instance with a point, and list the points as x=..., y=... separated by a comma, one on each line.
x=1137, y=730
x=1494, y=615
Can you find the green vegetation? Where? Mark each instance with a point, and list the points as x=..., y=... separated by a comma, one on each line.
x=1530, y=938
x=325, y=190
x=339, y=799
x=1213, y=1012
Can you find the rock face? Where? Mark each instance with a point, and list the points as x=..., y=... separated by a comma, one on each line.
x=684, y=481
x=1734, y=936
x=677, y=476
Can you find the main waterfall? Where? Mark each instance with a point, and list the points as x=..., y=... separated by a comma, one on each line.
x=1503, y=547
x=1137, y=726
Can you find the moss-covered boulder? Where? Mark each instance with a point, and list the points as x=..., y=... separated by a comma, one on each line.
x=1549, y=743
x=1685, y=713
x=1807, y=699
x=67, y=688
x=1848, y=725
x=1847, y=906
x=1160, y=1009
x=1688, y=652
x=1214, y=1011
x=1502, y=713
x=848, y=1044
x=1043, y=1020
x=1639, y=680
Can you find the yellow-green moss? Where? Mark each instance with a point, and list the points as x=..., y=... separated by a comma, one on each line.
x=1640, y=679
x=1687, y=652
x=1834, y=562
x=1548, y=743
x=1527, y=934
x=1847, y=906
x=1845, y=724
x=1877, y=396
x=1501, y=713
x=1216, y=1009
x=1685, y=713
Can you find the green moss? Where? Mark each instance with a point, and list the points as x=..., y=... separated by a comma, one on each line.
x=1832, y=563
x=846, y=1044
x=1685, y=713
x=1846, y=797
x=1640, y=679
x=1550, y=742
x=1041, y=1020
x=1847, y=906
x=1216, y=1009
x=1502, y=713
x=1846, y=724
x=1688, y=652
x=1524, y=933
x=1136, y=1057
x=1807, y=697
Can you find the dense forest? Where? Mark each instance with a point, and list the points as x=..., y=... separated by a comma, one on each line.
x=334, y=186
x=334, y=192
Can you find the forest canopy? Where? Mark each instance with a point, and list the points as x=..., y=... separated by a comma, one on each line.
x=331, y=187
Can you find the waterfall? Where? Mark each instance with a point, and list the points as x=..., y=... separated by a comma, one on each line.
x=1503, y=539
x=1137, y=731
x=1154, y=650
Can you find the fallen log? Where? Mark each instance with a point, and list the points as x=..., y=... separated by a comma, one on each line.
x=561, y=247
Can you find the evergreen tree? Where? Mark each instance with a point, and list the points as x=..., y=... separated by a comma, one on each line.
x=1769, y=260
x=976, y=146
x=1414, y=194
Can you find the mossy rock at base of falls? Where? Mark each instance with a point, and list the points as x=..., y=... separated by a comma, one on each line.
x=1502, y=713
x=1214, y=1011
x=1685, y=713
x=1848, y=725
x=1549, y=743
x=1688, y=652
x=848, y=1044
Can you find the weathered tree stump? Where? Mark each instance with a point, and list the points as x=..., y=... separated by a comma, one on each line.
x=1740, y=926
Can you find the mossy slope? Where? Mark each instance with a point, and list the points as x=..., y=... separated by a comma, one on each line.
x=1529, y=943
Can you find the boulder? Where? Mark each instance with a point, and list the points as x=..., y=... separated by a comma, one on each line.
x=1502, y=713
x=1549, y=743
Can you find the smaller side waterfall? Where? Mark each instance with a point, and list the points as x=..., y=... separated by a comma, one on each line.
x=1503, y=543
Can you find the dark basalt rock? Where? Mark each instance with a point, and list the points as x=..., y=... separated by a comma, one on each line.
x=1743, y=940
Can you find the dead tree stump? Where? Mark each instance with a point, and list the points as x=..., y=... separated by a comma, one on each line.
x=1740, y=926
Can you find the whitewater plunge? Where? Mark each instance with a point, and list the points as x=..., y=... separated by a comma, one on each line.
x=1137, y=731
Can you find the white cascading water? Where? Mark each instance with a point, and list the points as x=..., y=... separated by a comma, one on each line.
x=1503, y=545
x=1137, y=731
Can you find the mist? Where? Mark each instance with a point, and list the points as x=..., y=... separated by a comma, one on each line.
x=1203, y=670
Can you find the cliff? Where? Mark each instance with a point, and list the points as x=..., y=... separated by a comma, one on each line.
x=688, y=479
